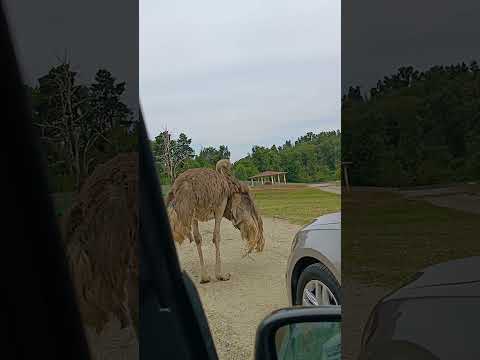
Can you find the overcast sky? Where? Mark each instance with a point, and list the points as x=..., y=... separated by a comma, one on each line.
x=380, y=36
x=44, y=31
x=240, y=73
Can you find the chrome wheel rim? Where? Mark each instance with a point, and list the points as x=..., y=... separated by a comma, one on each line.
x=316, y=293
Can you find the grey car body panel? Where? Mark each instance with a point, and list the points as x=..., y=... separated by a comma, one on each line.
x=326, y=222
x=443, y=297
x=453, y=278
x=443, y=327
x=320, y=240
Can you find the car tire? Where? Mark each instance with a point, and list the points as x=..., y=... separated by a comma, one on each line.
x=318, y=273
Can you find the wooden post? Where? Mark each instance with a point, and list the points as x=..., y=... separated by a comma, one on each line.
x=251, y=180
x=284, y=178
x=278, y=178
x=271, y=178
x=262, y=179
x=346, y=178
x=345, y=174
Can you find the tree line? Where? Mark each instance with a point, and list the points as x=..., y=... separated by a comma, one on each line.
x=80, y=125
x=311, y=158
x=414, y=127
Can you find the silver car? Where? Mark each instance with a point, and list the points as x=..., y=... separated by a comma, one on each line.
x=314, y=266
x=434, y=316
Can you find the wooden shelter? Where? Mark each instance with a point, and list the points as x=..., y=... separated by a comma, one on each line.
x=274, y=177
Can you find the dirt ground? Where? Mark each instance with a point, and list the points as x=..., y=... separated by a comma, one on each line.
x=359, y=302
x=234, y=308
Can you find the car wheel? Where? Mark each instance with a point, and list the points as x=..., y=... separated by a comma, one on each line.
x=317, y=286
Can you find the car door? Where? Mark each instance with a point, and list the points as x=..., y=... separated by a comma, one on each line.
x=40, y=312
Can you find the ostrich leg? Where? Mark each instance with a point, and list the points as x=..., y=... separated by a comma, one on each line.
x=204, y=278
x=216, y=239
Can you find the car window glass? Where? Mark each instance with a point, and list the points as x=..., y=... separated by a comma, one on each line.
x=243, y=100
x=84, y=106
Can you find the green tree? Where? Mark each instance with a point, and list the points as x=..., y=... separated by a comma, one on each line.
x=80, y=125
x=209, y=155
x=416, y=128
x=171, y=156
x=244, y=168
x=105, y=101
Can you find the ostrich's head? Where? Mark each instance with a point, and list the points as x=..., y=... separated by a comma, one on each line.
x=224, y=166
x=242, y=212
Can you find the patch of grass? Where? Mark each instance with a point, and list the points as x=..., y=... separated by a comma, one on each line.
x=387, y=238
x=165, y=190
x=298, y=204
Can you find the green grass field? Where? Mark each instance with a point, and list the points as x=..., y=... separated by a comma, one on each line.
x=297, y=204
x=387, y=238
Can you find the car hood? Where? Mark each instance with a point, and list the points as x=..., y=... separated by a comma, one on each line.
x=453, y=278
x=326, y=222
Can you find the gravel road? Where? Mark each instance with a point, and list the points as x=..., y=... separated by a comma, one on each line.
x=234, y=308
x=330, y=187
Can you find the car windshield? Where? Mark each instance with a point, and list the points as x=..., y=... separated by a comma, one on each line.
x=238, y=181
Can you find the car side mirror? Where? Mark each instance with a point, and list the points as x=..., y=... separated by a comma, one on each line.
x=300, y=333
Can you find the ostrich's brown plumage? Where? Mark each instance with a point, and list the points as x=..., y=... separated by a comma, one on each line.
x=100, y=236
x=206, y=194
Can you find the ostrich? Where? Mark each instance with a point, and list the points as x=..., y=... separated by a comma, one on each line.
x=100, y=235
x=206, y=194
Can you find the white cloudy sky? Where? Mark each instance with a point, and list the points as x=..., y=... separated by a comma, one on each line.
x=240, y=73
